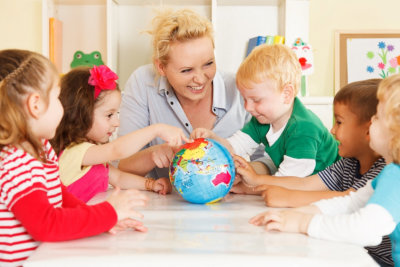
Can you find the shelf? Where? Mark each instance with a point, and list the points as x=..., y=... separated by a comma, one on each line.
x=164, y=2
x=115, y=27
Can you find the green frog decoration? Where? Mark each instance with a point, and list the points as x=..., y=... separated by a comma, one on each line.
x=90, y=60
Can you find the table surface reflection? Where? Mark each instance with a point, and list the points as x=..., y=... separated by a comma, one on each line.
x=185, y=234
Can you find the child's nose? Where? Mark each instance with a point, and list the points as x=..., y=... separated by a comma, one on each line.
x=333, y=130
x=116, y=122
x=248, y=106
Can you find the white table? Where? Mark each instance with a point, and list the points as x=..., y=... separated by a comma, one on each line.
x=184, y=234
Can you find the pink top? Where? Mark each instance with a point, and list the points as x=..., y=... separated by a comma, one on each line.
x=82, y=181
x=93, y=182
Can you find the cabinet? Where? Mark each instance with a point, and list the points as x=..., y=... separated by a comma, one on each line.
x=115, y=27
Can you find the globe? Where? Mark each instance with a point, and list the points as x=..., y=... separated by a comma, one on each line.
x=202, y=171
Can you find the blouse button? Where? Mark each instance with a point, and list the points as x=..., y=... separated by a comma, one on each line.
x=187, y=124
x=171, y=103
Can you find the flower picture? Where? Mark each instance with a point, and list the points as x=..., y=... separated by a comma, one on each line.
x=387, y=64
x=369, y=58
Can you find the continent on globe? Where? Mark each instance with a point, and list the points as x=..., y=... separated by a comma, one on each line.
x=222, y=178
x=202, y=171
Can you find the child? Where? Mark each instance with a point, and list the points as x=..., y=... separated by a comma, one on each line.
x=34, y=206
x=91, y=100
x=362, y=217
x=295, y=139
x=354, y=105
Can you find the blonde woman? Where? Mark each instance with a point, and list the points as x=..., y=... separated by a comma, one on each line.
x=182, y=88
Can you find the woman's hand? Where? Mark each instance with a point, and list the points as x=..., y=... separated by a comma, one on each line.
x=162, y=155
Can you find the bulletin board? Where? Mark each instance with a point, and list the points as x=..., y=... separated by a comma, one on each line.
x=363, y=55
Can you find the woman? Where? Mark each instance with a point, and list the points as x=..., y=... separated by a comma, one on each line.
x=182, y=88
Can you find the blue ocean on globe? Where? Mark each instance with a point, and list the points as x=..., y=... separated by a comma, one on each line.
x=202, y=171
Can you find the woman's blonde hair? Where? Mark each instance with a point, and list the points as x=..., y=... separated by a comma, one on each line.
x=181, y=25
x=22, y=72
x=389, y=92
x=275, y=62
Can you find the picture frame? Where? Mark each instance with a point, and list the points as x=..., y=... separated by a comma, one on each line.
x=351, y=55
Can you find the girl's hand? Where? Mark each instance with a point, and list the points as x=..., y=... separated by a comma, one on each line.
x=128, y=223
x=162, y=186
x=245, y=171
x=202, y=133
x=284, y=221
x=125, y=201
x=172, y=135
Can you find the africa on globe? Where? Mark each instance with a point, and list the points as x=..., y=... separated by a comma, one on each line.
x=202, y=171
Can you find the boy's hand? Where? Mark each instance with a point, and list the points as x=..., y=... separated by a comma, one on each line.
x=241, y=188
x=172, y=135
x=246, y=171
x=162, y=186
x=275, y=196
x=284, y=221
x=162, y=155
x=125, y=201
x=128, y=223
x=202, y=133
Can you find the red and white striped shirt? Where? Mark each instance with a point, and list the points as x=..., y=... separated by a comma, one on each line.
x=33, y=206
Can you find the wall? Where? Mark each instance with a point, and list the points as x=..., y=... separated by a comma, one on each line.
x=326, y=16
x=20, y=24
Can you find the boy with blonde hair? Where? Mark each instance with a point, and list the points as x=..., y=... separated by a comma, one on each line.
x=294, y=137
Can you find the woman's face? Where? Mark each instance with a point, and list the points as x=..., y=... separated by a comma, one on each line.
x=190, y=68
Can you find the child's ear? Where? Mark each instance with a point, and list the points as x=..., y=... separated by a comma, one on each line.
x=160, y=67
x=367, y=125
x=288, y=93
x=34, y=105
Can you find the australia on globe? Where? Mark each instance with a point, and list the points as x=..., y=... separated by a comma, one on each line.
x=202, y=171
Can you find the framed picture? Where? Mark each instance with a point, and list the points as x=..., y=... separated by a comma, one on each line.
x=361, y=55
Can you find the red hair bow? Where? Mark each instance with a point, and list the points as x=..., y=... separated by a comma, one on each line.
x=102, y=78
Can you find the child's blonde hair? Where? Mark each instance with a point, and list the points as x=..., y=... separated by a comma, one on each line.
x=22, y=72
x=389, y=92
x=181, y=25
x=275, y=62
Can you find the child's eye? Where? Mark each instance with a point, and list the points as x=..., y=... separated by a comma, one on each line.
x=185, y=70
x=110, y=115
x=210, y=63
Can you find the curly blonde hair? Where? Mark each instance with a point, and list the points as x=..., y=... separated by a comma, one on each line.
x=275, y=62
x=181, y=25
x=389, y=93
x=22, y=72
